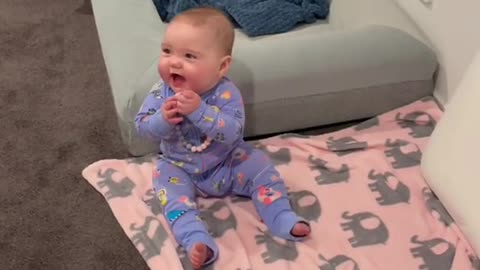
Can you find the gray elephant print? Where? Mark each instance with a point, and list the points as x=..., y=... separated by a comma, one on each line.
x=400, y=158
x=475, y=262
x=327, y=175
x=149, y=246
x=276, y=250
x=120, y=189
x=435, y=206
x=363, y=236
x=280, y=157
x=309, y=212
x=212, y=217
x=153, y=202
x=388, y=195
x=432, y=260
x=338, y=261
x=418, y=128
x=367, y=124
x=345, y=146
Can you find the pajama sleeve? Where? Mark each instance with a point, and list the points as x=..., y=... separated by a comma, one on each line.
x=224, y=120
x=149, y=121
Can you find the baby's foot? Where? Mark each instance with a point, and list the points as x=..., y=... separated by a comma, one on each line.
x=300, y=229
x=199, y=254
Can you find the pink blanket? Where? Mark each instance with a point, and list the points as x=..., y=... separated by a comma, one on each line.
x=360, y=187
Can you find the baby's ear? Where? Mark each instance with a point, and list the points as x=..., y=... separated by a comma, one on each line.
x=225, y=65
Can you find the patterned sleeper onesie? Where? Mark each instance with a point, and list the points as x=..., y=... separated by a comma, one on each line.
x=228, y=166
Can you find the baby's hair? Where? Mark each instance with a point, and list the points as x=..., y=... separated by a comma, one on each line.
x=215, y=20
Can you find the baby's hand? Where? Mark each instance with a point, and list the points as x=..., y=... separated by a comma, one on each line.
x=170, y=112
x=188, y=101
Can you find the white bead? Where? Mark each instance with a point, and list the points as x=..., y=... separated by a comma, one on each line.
x=191, y=147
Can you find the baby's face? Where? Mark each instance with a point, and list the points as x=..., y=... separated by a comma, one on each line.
x=190, y=59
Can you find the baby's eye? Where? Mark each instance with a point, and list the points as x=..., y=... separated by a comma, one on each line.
x=165, y=50
x=190, y=56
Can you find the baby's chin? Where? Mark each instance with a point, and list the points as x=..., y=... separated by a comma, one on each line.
x=179, y=87
x=188, y=87
x=177, y=90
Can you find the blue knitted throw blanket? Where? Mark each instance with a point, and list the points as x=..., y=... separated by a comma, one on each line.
x=254, y=17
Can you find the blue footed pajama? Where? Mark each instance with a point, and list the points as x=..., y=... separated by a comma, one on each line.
x=229, y=165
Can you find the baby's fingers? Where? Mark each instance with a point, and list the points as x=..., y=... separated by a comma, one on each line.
x=170, y=104
x=188, y=94
x=170, y=113
x=180, y=97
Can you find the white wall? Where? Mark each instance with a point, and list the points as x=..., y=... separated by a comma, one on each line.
x=453, y=26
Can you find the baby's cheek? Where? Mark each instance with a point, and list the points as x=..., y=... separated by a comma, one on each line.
x=197, y=81
x=200, y=77
x=162, y=69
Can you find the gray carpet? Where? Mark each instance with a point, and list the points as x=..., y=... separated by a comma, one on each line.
x=56, y=116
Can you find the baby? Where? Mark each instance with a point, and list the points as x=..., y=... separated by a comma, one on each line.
x=196, y=114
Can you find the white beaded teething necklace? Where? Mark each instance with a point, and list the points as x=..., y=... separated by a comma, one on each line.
x=189, y=146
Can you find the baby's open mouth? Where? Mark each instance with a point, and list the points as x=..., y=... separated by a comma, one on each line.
x=177, y=79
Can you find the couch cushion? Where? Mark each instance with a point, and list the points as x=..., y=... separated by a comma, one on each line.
x=451, y=158
x=325, y=72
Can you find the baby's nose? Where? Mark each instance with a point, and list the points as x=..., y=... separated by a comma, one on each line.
x=176, y=62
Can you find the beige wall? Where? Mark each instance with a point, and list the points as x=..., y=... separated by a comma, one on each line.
x=453, y=26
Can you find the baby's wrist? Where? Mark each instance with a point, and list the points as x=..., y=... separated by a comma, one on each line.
x=197, y=114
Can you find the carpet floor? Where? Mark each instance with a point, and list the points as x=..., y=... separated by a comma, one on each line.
x=57, y=117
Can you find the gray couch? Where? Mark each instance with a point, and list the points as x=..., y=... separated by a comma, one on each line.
x=367, y=58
